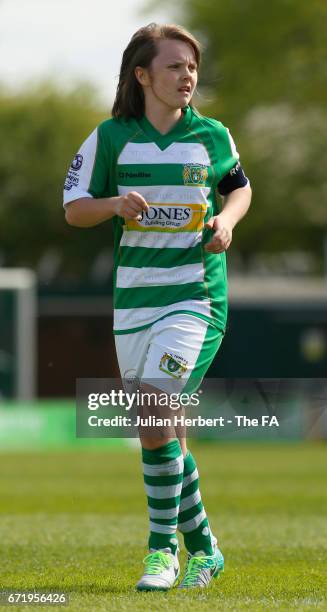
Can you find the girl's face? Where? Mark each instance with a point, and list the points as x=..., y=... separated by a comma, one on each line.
x=172, y=76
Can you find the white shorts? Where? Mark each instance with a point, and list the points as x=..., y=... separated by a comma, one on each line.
x=175, y=351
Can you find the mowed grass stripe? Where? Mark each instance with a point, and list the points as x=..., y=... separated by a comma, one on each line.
x=78, y=522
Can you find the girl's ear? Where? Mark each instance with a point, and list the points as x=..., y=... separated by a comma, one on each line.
x=142, y=76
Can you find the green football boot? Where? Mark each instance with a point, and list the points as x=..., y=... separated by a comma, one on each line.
x=201, y=568
x=161, y=571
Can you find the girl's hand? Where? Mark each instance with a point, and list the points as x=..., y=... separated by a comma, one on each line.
x=131, y=205
x=222, y=237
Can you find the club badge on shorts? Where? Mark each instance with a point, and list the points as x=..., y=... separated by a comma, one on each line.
x=172, y=366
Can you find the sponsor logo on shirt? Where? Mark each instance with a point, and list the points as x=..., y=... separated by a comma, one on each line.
x=129, y=175
x=195, y=174
x=169, y=218
x=166, y=216
x=173, y=365
x=77, y=162
x=72, y=178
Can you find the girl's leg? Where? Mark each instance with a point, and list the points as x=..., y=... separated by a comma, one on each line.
x=192, y=343
x=162, y=462
x=192, y=519
x=163, y=467
x=205, y=560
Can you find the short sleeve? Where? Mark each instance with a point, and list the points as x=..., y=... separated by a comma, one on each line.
x=87, y=176
x=228, y=154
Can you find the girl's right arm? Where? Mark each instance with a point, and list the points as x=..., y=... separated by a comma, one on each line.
x=85, y=186
x=88, y=212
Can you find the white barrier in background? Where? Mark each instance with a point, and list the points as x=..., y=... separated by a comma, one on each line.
x=23, y=283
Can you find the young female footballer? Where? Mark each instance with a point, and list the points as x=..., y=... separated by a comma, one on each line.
x=172, y=184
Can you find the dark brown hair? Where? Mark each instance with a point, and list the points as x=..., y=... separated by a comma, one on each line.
x=140, y=51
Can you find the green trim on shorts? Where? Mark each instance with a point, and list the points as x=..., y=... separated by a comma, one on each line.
x=210, y=346
x=211, y=322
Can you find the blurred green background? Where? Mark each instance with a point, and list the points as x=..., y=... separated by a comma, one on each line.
x=264, y=76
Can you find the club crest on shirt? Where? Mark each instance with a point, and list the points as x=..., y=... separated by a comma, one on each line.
x=195, y=174
x=172, y=365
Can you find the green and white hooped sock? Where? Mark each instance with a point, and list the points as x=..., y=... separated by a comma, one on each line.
x=163, y=477
x=192, y=518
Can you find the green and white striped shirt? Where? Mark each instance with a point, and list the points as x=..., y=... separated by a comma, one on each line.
x=161, y=266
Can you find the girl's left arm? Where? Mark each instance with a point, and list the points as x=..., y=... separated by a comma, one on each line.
x=235, y=206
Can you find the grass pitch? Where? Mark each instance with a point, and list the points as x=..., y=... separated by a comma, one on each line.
x=77, y=522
